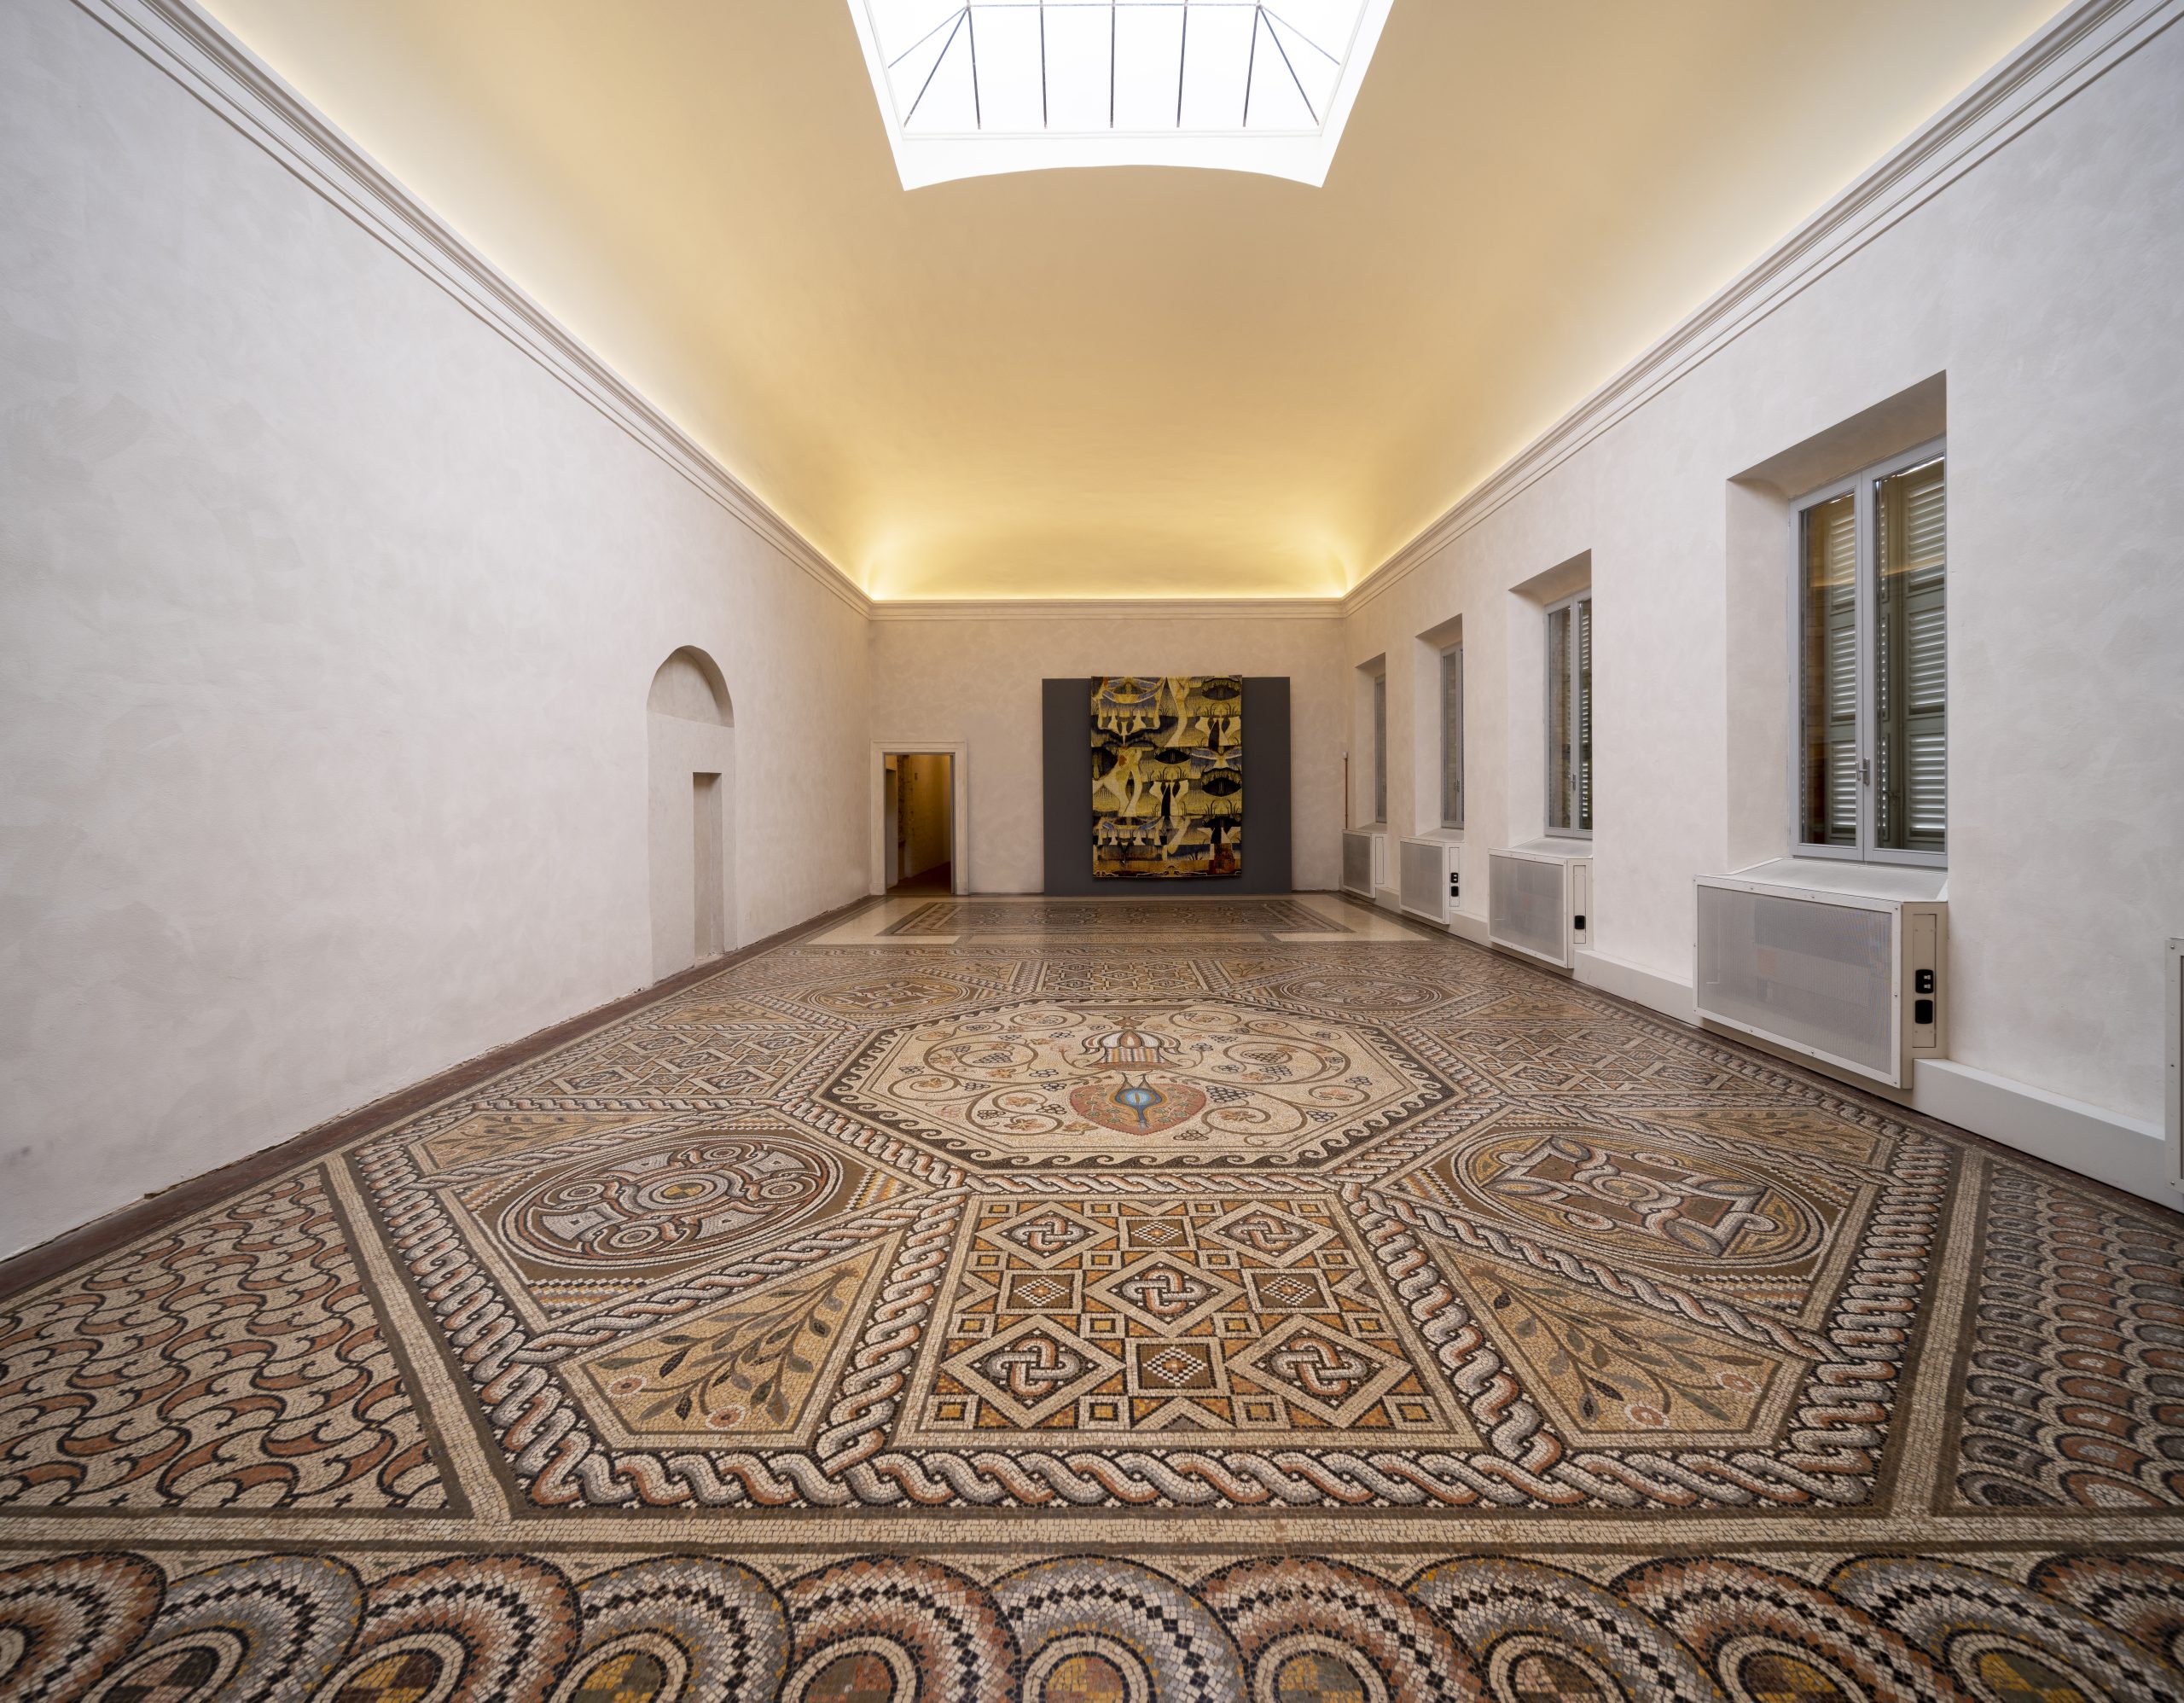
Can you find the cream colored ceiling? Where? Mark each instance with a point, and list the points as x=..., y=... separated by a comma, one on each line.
x=1133, y=381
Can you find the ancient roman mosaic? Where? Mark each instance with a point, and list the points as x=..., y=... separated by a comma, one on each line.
x=1040, y=1301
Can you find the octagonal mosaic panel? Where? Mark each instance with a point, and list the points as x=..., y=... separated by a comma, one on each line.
x=1211, y=1083
x=1299, y=1309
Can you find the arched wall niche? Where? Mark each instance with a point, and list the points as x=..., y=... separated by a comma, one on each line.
x=689, y=686
x=690, y=814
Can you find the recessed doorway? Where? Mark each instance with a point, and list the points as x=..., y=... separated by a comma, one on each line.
x=917, y=829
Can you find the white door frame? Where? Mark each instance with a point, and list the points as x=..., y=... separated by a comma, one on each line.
x=959, y=792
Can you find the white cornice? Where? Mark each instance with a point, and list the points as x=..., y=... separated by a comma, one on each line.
x=1111, y=609
x=194, y=49
x=2079, y=46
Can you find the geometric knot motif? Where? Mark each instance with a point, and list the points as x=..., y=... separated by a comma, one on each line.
x=1185, y=1324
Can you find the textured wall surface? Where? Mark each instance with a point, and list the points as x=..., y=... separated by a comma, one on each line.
x=2044, y=285
x=330, y=619
x=978, y=680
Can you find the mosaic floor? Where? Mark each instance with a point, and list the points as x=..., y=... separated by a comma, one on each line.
x=1100, y=1302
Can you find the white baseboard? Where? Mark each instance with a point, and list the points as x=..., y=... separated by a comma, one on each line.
x=1466, y=927
x=1670, y=996
x=2126, y=1152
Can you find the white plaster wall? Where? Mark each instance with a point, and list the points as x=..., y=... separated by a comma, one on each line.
x=978, y=680
x=329, y=618
x=2044, y=284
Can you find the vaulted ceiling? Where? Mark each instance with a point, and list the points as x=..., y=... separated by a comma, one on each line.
x=1128, y=380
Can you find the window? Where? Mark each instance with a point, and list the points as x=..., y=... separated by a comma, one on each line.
x=1570, y=716
x=969, y=87
x=1872, y=762
x=1380, y=747
x=1452, y=736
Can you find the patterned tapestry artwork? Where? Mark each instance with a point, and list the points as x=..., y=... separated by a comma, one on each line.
x=1167, y=776
x=1103, y=1303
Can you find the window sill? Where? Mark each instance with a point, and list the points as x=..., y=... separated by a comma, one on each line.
x=1570, y=850
x=1842, y=876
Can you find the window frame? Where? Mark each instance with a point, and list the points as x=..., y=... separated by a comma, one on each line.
x=1452, y=738
x=1380, y=749
x=1581, y=697
x=1860, y=486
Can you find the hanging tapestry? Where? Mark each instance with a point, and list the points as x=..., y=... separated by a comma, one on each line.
x=1167, y=776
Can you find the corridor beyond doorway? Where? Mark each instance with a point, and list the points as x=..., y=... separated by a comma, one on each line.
x=919, y=800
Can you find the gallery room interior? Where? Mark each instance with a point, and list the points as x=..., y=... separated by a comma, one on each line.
x=1091, y=850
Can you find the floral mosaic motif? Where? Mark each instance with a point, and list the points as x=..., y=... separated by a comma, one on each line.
x=1205, y=1083
x=748, y=1368
x=1613, y=1372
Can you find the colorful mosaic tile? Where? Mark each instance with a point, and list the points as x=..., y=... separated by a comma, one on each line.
x=1091, y=1308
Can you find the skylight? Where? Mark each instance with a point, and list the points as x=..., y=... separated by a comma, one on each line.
x=971, y=89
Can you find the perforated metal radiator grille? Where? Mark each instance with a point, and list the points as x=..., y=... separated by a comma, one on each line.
x=1357, y=862
x=1802, y=971
x=1421, y=866
x=1525, y=905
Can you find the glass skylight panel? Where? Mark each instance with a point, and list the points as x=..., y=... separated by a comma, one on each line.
x=971, y=87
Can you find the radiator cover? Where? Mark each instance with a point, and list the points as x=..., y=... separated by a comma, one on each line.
x=1357, y=862
x=1842, y=978
x=1529, y=904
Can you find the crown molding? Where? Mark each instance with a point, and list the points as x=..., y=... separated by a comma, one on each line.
x=2076, y=49
x=197, y=53
x=1109, y=609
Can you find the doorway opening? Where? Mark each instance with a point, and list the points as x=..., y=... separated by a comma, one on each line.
x=918, y=814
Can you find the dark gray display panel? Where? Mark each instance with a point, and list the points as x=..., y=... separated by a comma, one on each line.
x=1066, y=722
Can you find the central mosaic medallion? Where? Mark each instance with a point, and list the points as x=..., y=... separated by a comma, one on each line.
x=1205, y=1084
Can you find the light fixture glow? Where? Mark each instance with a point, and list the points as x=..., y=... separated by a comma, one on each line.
x=970, y=88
